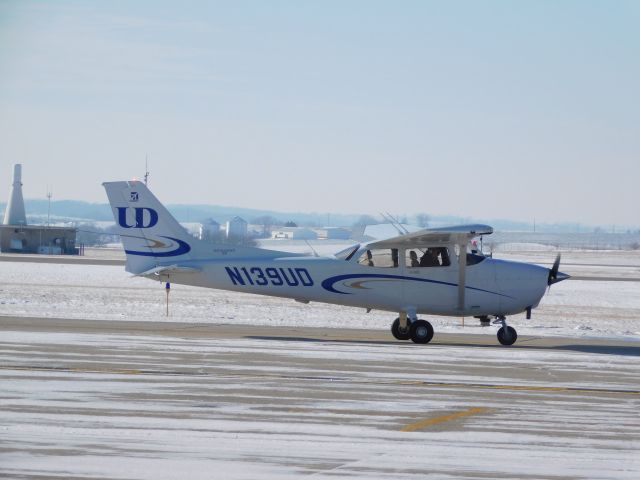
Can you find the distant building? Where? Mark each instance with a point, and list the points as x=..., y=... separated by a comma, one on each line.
x=333, y=233
x=236, y=228
x=258, y=231
x=18, y=237
x=209, y=230
x=38, y=239
x=293, y=233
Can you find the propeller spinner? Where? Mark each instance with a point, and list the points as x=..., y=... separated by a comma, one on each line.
x=554, y=275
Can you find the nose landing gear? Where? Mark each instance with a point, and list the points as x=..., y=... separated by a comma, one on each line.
x=506, y=335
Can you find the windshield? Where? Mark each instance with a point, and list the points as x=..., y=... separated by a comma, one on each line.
x=347, y=253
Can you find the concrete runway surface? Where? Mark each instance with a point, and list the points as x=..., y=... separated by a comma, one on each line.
x=135, y=400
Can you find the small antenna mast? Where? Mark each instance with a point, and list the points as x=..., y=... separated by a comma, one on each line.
x=146, y=169
x=49, y=195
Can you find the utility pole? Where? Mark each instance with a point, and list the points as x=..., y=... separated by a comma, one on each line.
x=49, y=195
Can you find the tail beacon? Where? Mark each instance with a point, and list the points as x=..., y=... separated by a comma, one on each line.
x=150, y=235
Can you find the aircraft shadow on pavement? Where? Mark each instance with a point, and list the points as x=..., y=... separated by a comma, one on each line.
x=630, y=350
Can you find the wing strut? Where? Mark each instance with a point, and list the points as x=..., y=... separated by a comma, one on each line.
x=402, y=230
x=462, y=274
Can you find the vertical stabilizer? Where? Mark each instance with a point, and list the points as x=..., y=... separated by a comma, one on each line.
x=149, y=233
x=152, y=237
x=15, y=214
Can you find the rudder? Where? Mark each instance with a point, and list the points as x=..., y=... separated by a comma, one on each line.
x=148, y=232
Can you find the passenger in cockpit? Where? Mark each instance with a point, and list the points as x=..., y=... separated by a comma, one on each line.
x=430, y=258
x=413, y=256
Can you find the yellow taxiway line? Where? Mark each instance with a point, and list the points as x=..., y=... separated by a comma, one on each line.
x=429, y=422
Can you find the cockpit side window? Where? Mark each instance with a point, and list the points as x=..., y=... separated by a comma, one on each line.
x=427, y=257
x=474, y=258
x=385, y=258
x=471, y=258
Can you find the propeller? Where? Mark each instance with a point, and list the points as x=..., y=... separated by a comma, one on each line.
x=554, y=275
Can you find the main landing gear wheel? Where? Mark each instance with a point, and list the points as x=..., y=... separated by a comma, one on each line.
x=401, y=333
x=421, y=331
x=507, y=335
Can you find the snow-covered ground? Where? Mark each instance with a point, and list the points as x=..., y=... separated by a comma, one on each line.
x=574, y=307
x=153, y=407
x=149, y=406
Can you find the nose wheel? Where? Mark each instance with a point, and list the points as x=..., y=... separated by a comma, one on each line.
x=506, y=335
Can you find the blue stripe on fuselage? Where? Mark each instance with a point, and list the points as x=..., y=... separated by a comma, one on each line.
x=328, y=284
x=183, y=247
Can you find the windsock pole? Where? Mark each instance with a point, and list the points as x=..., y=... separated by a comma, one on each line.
x=168, y=289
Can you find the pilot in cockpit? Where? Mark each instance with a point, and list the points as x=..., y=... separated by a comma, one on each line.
x=369, y=258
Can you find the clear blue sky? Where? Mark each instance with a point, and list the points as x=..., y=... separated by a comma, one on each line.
x=496, y=109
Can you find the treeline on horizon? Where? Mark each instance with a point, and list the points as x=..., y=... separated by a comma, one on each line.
x=85, y=212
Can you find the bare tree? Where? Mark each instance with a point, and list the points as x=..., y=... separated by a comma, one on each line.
x=366, y=220
x=423, y=220
x=267, y=221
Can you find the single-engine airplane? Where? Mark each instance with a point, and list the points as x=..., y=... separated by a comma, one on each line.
x=429, y=271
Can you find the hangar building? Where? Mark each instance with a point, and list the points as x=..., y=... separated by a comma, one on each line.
x=18, y=237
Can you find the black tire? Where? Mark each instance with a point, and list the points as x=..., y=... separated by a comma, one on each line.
x=508, y=336
x=400, y=334
x=421, y=331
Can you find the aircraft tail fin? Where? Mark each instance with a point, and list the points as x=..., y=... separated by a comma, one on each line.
x=154, y=241
x=150, y=234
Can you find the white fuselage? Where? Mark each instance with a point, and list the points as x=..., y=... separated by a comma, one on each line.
x=428, y=271
x=492, y=287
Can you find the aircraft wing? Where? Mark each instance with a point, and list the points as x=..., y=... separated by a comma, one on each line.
x=167, y=270
x=458, y=234
x=383, y=231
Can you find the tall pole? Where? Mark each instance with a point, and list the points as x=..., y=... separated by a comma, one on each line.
x=49, y=195
x=47, y=238
x=168, y=289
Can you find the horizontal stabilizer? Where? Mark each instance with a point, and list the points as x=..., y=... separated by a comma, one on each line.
x=167, y=270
